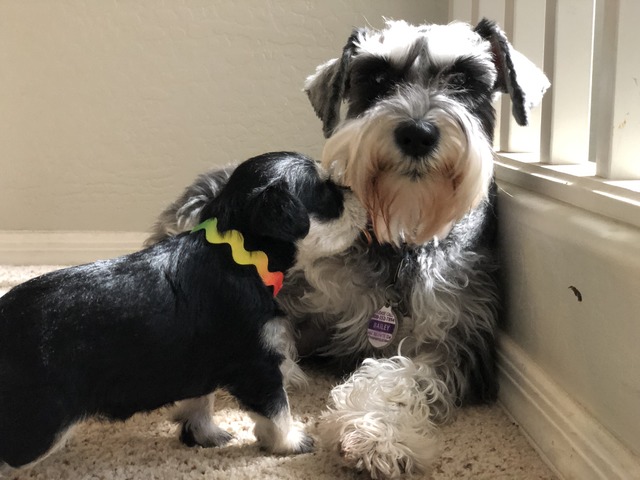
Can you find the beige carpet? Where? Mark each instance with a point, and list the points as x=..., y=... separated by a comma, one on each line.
x=482, y=444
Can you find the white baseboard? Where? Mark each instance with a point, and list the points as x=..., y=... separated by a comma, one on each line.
x=65, y=248
x=574, y=444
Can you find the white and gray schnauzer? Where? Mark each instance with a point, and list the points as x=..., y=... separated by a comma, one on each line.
x=408, y=114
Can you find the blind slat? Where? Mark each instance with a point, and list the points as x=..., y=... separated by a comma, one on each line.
x=590, y=50
x=571, y=82
x=625, y=144
x=527, y=36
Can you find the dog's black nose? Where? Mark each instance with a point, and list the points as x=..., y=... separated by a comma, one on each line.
x=417, y=139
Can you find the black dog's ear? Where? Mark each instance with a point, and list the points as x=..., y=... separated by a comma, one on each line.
x=274, y=212
x=328, y=86
x=517, y=75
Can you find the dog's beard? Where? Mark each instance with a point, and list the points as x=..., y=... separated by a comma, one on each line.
x=412, y=200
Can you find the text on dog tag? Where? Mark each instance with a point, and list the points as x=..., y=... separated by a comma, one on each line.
x=382, y=327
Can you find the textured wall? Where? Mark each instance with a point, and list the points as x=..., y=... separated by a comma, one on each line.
x=110, y=108
x=587, y=344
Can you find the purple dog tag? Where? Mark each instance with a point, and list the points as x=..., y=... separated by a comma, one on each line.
x=382, y=327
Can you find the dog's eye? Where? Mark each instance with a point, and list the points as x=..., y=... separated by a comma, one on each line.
x=371, y=72
x=457, y=81
x=374, y=79
x=379, y=78
x=371, y=79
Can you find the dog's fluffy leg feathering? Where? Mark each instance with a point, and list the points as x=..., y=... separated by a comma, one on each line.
x=279, y=336
x=380, y=417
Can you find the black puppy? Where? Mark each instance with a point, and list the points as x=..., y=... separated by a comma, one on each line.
x=176, y=320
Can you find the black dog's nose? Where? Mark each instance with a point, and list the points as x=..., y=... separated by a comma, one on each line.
x=417, y=139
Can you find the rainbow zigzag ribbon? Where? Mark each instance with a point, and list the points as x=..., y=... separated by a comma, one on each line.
x=240, y=254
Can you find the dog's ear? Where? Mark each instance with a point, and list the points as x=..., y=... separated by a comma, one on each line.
x=328, y=86
x=274, y=212
x=517, y=75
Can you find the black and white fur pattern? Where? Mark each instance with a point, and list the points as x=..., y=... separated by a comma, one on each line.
x=416, y=147
x=174, y=321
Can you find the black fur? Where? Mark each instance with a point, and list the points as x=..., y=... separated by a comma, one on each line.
x=507, y=80
x=174, y=321
x=329, y=110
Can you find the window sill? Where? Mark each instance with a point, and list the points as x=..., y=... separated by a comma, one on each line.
x=573, y=184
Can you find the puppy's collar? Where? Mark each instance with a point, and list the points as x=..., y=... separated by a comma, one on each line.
x=240, y=254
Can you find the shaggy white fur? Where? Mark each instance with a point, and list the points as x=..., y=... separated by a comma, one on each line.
x=381, y=416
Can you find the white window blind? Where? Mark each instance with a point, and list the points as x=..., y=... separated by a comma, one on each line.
x=583, y=144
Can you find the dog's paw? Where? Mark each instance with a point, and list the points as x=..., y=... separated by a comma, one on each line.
x=306, y=444
x=294, y=442
x=382, y=459
x=381, y=449
x=204, y=436
x=381, y=465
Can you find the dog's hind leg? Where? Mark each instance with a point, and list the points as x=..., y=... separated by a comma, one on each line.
x=197, y=426
x=28, y=435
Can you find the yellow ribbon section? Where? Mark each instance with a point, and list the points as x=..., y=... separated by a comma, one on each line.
x=240, y=254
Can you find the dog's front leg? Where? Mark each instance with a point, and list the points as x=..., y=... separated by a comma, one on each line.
x=381, y=419
x=276, y=430
x=197, y=426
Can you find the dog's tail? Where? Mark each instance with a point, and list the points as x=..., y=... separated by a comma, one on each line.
x=184, y=214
